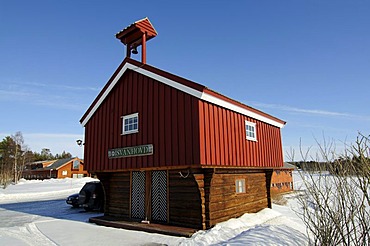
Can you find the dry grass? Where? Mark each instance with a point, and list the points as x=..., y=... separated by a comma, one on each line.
x=279, y=199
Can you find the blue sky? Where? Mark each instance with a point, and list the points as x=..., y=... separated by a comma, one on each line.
x=305, y=62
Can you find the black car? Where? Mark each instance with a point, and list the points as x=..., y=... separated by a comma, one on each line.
x=91, y=197
x=73, y=200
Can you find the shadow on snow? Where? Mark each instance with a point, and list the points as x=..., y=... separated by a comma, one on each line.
x=57, y=209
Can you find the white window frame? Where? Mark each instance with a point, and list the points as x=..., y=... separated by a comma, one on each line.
x=126, y=117
x=254, y=132
x=65, y=173
x=240, y=186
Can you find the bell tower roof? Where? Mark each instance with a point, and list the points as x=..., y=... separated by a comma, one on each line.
x=135, y=35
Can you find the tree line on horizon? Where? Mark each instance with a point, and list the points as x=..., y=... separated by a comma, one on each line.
x=335, y=166
x=15, y=154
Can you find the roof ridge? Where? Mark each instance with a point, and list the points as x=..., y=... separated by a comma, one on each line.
x=182, y=84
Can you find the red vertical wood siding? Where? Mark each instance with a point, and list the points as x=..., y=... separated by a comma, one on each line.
x=167, y=143
x=230, y=147
x=188, y=128
x=174, y=114
x=149, y=110
x=183, y=130
x=202, y=140
x=161, y=146
x=168, y=119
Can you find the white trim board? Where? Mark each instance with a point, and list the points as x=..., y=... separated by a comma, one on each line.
x=198, y=94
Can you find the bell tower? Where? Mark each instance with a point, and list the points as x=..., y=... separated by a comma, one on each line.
x=135, y=35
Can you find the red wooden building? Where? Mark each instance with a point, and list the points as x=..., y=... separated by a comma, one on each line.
x=282, y=179
x=58, y=169
x=173, y=151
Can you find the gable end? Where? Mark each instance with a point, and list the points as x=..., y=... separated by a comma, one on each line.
x=195, y=90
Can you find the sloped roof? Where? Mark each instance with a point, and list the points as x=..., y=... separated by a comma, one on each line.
x=59, y=163
x=197, y=90
x=287, y=166
x=133, y=33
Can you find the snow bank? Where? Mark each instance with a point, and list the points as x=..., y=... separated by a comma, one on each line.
x=39, y=190
x=267, y=227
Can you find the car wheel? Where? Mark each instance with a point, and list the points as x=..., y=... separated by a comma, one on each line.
x=75, y=205
x=87, y=209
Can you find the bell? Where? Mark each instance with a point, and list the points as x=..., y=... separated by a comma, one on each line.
x=134, y=50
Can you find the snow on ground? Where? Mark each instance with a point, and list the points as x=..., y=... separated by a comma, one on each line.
x=35, y=213
x=48, y=189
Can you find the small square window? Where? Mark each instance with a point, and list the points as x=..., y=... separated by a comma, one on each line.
x=250, y=131
x=240, y=186
x=130, y=123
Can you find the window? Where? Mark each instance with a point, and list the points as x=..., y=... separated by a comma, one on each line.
x=250, y=131
x=77, y=175
x=64, y=173
x=240, y=186
x=76, y=164
x=130, y=123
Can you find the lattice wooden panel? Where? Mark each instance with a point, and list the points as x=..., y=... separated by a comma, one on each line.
x=159, y=196
x=138, y=195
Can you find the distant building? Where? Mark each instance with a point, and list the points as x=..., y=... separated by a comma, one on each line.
x=282, y=179
x=62, y=168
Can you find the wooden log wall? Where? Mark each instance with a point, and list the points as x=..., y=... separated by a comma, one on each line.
x=199, y=199
x=117, y=193
x=222, y=201
x=185, y=200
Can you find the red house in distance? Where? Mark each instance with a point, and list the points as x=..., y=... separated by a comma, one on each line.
x=172, y=151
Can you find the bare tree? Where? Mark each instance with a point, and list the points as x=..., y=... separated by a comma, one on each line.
x=18, y=154
x=335, y=204
x=27, y=157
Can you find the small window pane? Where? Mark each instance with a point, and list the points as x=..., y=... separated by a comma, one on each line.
x=240, y=185
x=250, y=131
x=130, y=123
